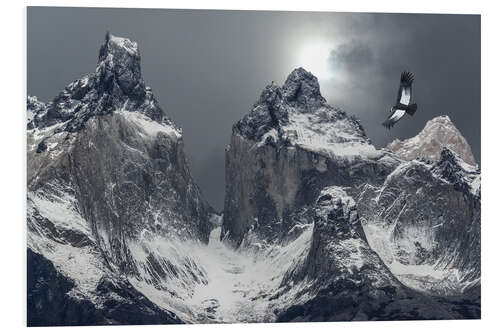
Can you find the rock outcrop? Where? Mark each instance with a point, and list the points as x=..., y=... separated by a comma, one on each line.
x=424, y=221
x=437, y=134
x=342, y=278
x=106, y=176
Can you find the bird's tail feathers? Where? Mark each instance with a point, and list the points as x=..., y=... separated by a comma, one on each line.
x=411, y=109
x=387, y=124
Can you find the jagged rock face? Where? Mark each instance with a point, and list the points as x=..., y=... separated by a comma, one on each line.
x=106, y=173
x=116, y=84
x=425, y=223
x=437, y=134
x=285, y=151
x=342, y=278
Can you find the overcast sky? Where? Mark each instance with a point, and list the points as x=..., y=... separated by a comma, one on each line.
x=207, y=68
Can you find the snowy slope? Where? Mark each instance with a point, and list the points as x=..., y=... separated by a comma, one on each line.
x=424, y=223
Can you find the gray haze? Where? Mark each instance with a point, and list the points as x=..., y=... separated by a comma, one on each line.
x=207, y=68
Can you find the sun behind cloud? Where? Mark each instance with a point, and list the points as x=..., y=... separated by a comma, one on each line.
x=313, y=56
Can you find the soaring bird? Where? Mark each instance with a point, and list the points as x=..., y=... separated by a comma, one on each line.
x=403, y=105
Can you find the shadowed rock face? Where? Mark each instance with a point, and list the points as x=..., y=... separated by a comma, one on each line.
x=437, y=134
x=344, y=279
x=106, y=172
x=285, y=151
x=49, y=289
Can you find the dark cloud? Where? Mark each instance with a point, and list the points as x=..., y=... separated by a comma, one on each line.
x=350, y=56
x=443, y=51
x=208, y=67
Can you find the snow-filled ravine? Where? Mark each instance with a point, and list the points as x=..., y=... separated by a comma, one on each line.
x=234, y=279
x=238, y=285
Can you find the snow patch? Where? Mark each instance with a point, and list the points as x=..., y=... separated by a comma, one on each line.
x=125, y=43
x=148, y=126
x=60, y=208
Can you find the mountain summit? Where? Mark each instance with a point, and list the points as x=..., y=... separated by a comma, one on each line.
x=296, y=114
x=291, y=144
x=437, y=134
x=116, y=84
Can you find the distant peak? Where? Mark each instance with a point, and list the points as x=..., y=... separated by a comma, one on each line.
x=444, y=119
x=439, y=134
x=303, y=87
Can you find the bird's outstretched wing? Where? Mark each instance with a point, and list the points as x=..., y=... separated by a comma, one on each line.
x=404, y=93
x=394, y=117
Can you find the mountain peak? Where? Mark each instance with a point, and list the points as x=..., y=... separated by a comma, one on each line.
x=116, y=84
x=438, y=133
x=296, y=114
x=302, y=87
x=449, y=157
x=455, y=170
x=114, y=44
x=440, y=119
x=120, y=62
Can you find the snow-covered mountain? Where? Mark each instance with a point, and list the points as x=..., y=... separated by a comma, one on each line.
x=420, y=219
x=107, y=179
x=318, y=224
x=437, y=134
x=285, y=151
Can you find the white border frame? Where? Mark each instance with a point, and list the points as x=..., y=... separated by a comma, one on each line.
x=13, y=165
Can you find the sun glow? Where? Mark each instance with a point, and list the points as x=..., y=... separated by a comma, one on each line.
x=313, y=56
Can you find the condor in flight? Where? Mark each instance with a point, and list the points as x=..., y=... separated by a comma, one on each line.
x=403, y=105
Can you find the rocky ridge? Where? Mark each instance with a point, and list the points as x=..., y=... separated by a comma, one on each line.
x=424, y=221
x=345, y=279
